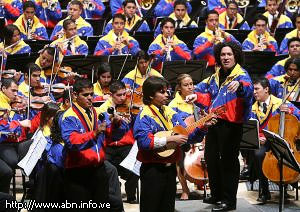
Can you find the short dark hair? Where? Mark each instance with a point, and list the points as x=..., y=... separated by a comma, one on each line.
x=7, y=82
x=120, y=16
x=56, y=136
x=81, y=84
x=67, y=22
x=152, y=85
x=290, y=61
x=292, y=40
x=180, y=2
x=236, y=49
x=28, y=4
x=232, y=2
x=76, y=2
x=127, y=2
x=49, y=110
x=50, y=50
x=264, y=83
x=33, y=68
x=103, y=68
x=116, y=86
x=8, y=33
x=210, y=12
x=142, y=55
x=260, y=17
x=66, y=96
x=166, y=20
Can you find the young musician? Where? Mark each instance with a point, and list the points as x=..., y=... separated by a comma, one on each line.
x=117, y=41
x=220, y=5
x=231, y=87
x=263, y=109
x=70, y=43
x=129, y=8
x=295, y=33
x=74, y=11
x=180, y=16
x=260, y=39
x=205, y=42
x=29, y=25
x=35, y=76
x=294, y=52
x=167, y=47
x=230, y=18
x=10, y=10
x=158, y=174
x=101, y=87
x=166, y=7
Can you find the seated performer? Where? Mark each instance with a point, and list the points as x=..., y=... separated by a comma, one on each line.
x=70, y=43
x=101, y=87
x=129, y=8
x=205, y=42
x=74, y=12
x=263, y=109
x=166, y=7
x=29, y=25
x=35, y=76
x=288, y=81
x=295, y=33
x=260, y=39
x=157, y=173
x=294, y=52
x=117, y=41
x=231, y=19
x=119, y=136
x=10, y=10
x=180, y=16
x=45, y=62
x=48, y=12
x=167, y=47
x=92, y=9
x=220, y=5
x=272, y=13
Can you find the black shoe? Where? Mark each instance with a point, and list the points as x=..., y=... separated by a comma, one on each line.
x=224, y=207
x=210, y=200
x=262, y=199
x=245, y=174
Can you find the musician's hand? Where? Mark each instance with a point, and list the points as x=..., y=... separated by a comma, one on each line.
x=211, y=122
x=25, y=123
x=2, y=3
x=117, y=46
x=233, y=86
x=17, y=76
x=264, y=40
x=171, y=43
x=262, y=140
x=191, y=98
x=101, y=128
x=257, y=48
x=106, y=96
x=214, y=39
x=46, y=99
x=125, y=41
x=178, y=139
x=165, y=49
x=60, y=47
x=223, y=34
x=12, y=137
x=34, y=36
x=284, y=108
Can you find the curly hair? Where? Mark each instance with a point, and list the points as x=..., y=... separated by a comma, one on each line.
x=236, y=49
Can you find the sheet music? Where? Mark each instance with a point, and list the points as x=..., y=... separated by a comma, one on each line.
x=130, y=162
x=34, y=153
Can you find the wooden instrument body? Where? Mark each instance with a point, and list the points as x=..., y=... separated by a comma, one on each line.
x=271, y=168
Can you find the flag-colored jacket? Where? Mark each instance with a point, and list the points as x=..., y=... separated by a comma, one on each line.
x=166, y=7
x=277, y=69
x=81, y=48
x=224, y=23
x=11, y=10
x=284, y=43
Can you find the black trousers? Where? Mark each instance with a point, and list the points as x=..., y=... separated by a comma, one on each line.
x=221, y=155
x=158, y=187
x=8, y=162
x=115, y=155
x=85, y=184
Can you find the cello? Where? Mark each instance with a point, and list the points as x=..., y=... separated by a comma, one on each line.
x=287, y=126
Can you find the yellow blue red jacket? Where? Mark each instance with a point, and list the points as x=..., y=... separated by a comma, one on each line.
x=277, y=86
x=20, y=48
x=284, y=21
x=120, y=134
x=204, y=48
x=11, y=10
x=81, y=48
x=9, y=126
x=83, y=28
x=237, y=104
x=82, y=148
x=104, y=45
x=272, y=110
x=166, y=7
x=128, y=26
x=147, y=124
x=98, y=92
x=97, y=11
x=252, y=40
x=37, y=28
x=116, y=6
x=223, y=22
x=220, y=5
x=277, y=69
x=48, y=16
x=284, y=43
x=186, y=19
x=179, y=52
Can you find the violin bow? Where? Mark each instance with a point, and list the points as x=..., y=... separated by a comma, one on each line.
x=69, y=91
x=123, y=65
x=2, y=62
x=29, y=94
x=52, y=69
x=288, y=95
x=93, y=73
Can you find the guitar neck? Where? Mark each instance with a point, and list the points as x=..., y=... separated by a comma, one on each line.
x=198, y=123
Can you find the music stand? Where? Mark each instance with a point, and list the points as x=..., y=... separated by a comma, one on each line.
x=125, y=63
x=37, y=45
x=283, y=154
x=144, y=39
x=171, y=70
x=296, y=104
x=280, y=34
x=98, y=25
x=240, y=35
x=19, y=61
x=91, y=41
x=188, y=35
x=250, y=139
x=2, y=24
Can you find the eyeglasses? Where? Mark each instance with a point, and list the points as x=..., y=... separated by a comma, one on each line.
x=87, y=94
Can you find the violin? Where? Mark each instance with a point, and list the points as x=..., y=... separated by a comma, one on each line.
x=61, y=71
x=136, y=98
x=106, y=91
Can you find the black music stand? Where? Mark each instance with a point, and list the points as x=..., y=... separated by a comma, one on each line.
x=91, y=41
x=171, y=70
x=240, y=35
x=144, y=39
x=188, y=35
x=250, y=139
x=296, y=104
x=283, y=154
x=19, y=61
x=124, y=63
x=280, y=34
x=2, y=24
x=98, y=25
x=37, y=45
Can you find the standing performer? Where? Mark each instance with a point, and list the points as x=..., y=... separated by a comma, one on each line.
x=230, y=86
